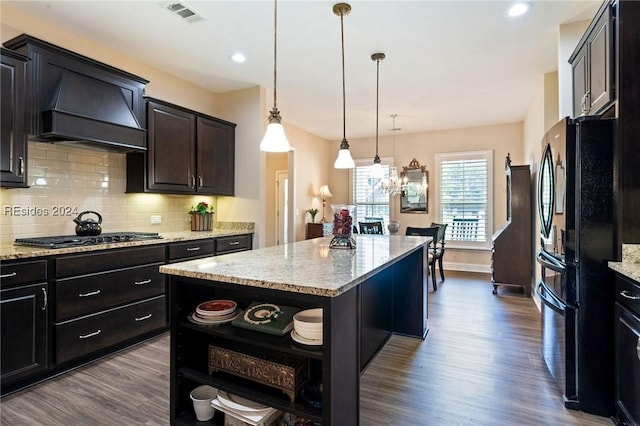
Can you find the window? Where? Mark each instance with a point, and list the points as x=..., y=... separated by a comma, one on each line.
x=464, y=198
x=371, y=203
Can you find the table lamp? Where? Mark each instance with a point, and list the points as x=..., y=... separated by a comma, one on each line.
x=324, y=194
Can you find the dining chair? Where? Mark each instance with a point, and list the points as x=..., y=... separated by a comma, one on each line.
x=370, y=227
x=432, y=232
x=439, y=243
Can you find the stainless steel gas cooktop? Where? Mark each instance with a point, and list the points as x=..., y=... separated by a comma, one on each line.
x=74, y=240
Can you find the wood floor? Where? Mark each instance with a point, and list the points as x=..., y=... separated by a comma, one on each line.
x=479, y=365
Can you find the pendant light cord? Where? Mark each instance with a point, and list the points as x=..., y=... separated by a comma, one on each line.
x=275, y=51
x=377, y=100
x=344, y=104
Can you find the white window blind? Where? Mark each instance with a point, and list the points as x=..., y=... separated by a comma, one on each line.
x=464, y=197
x=371, y=203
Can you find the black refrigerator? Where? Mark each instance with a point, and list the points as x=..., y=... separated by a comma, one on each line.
x=577, y=215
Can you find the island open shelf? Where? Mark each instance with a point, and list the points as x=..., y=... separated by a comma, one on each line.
x=366, y=295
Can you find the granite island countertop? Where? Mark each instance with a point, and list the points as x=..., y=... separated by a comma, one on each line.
x=12, y=251
x=630, y=265
x=309, y=266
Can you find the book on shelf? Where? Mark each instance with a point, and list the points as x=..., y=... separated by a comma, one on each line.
x=268, y=318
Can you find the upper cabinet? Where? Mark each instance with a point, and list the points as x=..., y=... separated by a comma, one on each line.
x=592, y=66
x=187, y=153
x=13, y=139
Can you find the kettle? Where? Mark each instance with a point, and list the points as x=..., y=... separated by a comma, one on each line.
x=88, y=227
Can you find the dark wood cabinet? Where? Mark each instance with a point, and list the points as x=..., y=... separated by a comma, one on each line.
x=24, y=323
x=512, y=247
x=314, y=230
x=187, y=153
x=13, y=139
x=592, y=66
x=107, y=298
x=627, y=350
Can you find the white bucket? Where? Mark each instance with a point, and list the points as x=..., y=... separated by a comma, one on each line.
x=202, y=397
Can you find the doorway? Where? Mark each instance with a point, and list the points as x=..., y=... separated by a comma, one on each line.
x=282, y=207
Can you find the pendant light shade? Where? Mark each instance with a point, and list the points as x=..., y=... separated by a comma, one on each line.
x=376, y=171
x=344, y=160
x=274, y=139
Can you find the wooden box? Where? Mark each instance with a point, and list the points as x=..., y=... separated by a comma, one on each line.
x=284, y=372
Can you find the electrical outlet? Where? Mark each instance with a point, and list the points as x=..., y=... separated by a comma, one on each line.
x=156, y=219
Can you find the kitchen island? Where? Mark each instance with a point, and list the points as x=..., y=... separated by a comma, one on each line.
x=366, y=294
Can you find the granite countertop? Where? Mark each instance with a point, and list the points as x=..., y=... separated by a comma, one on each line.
x=630, y=265
x=309, y=266
x=12, y=251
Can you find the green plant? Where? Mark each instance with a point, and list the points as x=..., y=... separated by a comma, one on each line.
x=313, y=213
x=202, y=208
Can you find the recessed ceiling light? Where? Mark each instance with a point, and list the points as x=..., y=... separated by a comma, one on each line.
x=518, y=9
x=238, y=57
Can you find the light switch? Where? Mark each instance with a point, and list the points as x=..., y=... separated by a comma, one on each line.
x=156, y=219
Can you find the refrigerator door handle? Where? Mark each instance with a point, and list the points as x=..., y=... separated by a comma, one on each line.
x=550, y=301
x=550, y=262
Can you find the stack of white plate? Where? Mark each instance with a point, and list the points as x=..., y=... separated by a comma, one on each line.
x=215, y=312
x=245, y=410
x=307, y=327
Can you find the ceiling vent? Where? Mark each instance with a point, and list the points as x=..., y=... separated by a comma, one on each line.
x=183, y=11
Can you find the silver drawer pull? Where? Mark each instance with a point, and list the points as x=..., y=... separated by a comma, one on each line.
x=13, y=274
x=638, y=348
x=235, y=243
x=142, y=282
x=628, y=295
x=91, y=293
x=193, y=248
x=95, y=333
x=146, y=317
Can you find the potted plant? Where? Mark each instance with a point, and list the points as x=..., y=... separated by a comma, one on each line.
x=313, y=213
x=201, y=216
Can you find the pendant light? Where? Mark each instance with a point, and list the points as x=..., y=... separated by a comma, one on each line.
x=274, y=139
x=376, y=170
x=344, y=160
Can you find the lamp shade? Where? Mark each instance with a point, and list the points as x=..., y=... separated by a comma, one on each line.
x=376, y=170
x=325, y=192
x=274, y=139
x=344, y=160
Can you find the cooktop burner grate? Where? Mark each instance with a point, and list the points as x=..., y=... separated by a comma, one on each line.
x=63, y=241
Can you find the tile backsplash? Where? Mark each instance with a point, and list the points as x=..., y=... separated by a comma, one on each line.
x=67, y=180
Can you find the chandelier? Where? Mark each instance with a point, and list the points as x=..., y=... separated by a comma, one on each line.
x=393, y=185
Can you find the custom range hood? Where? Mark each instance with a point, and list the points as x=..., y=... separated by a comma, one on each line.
x=75, y=100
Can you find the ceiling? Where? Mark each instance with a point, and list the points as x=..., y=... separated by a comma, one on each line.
x=449, y=64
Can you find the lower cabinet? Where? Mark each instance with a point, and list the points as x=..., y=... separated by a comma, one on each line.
x=24, y=331
x=24, y=321
x=627, y=350
x=116, y=296
x=100, y=330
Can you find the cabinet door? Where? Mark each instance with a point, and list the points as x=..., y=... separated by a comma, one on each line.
x=600, y=50
x=24, y=331
x=628, y=363
x=579, y=71
x=171, y=149
x=216, y=157
x=13, y=139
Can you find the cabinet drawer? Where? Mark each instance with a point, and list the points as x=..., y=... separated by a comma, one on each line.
x=73, y=265
x=231, y=244
x=628, y=294
x=197, y=248
x=12, y=273
x=94, y=332
x=628, y=363
x=91, y=293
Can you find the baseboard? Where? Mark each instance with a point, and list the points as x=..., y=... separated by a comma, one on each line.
x=467, y=267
